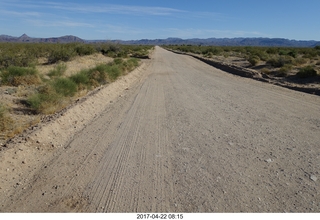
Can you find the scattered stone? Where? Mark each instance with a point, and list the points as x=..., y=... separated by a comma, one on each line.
x=23, y=162
x=313, y=178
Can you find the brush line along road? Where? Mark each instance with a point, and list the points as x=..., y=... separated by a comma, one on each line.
x=188, y=138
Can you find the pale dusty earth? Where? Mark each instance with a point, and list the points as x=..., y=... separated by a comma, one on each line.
x=175, y=135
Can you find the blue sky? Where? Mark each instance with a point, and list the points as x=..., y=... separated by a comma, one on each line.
x=131, y=20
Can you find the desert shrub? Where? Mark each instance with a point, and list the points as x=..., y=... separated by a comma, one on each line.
x=265, y=71
x=254, y=60
x=283, y=71
x=81, y=78
x=130, y=64
x=16, y=76
x=61, y=53
x=58, y=71
x=65, y=86
x=99, y=74
x=280, y=61
x=46, y=100
x=307, y=71
x=263, y=55
x=133, y=61
x=292, y=53
x=113, y=72
x=118, y=61
x=272, y=50
x=110, y=49
x=85, y=49
x=300, y=61
x=209, y=55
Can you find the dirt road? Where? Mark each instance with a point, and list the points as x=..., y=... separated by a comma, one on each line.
x=186, y=138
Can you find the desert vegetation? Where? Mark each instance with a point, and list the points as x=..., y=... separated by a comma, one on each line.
x=275, y=61
x=27, y=93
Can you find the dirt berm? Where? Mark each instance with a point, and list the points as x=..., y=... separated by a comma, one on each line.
x=254, y=74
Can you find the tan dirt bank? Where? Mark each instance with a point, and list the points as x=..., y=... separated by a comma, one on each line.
x=176, y=135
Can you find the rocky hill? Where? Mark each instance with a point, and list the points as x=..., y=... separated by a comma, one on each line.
x=26, y=39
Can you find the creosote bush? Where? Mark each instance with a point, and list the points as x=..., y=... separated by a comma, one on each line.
x=307, y=71
x=15, y=76
x=254, y=60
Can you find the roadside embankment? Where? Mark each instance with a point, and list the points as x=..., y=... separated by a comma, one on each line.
x=254, y=74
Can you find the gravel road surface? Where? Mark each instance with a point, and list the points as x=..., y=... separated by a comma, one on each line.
x=186, y=138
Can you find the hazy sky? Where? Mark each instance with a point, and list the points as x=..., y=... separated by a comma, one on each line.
x=95, y=19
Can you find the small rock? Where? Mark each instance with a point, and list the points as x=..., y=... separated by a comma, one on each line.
x=268, y=160
x=313, y=178
x=23, y=162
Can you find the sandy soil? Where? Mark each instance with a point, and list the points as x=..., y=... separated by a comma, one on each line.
x=175, y=135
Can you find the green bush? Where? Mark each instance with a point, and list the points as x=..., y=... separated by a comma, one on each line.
x=85, y=49
x=113, y=72
x=307, y=71
x=46, y=103
x=61, y=53
x=65, y=86
x=283, y=72
x=15, y=76
x=118, y=61
x=254, y=60
x=299, y=61
x=280, y=61
x=81, y=78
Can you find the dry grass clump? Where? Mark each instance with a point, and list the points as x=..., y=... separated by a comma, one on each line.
x=5, y=121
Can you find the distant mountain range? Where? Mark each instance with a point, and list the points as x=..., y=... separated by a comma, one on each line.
x=26, y=39
x=262, y=42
